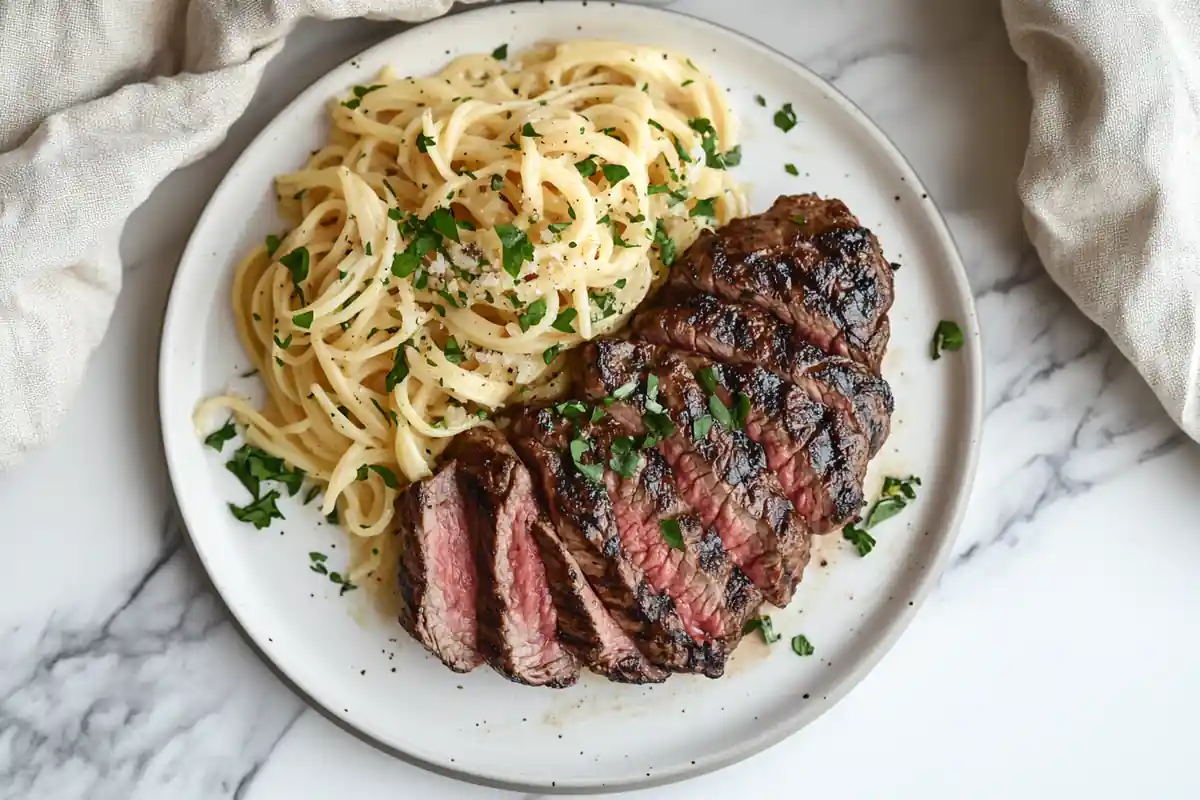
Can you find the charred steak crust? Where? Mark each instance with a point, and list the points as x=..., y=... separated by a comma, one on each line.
x=809, y=262
x=585, y=626
x=722, y=476
x=518, y=633
x=818, y=458
x=437, y=570
x=586, y=522
x=733, y=333
x=712, y=601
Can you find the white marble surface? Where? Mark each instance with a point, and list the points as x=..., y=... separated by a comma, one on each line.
x=1057, y=658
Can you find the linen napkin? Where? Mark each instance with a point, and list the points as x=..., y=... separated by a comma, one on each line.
x=1111, y=183
x=99, y=102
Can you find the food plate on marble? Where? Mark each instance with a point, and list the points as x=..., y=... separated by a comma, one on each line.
x=345, y=651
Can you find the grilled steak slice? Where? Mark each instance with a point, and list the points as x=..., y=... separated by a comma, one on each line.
x=733, y=333
x=819, y=459
x=584, y=624
x=723, y=475
x=586, y=521
x=517, y=622
x=713, y=598
x=809, y=262
x=437, y=570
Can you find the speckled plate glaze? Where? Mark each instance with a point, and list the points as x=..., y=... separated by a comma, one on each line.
x=353, y=662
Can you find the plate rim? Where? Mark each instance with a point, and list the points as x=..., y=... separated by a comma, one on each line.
x=872, y=653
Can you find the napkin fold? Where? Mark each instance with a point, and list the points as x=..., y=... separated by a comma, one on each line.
x=100, y=101
x=1111, y=183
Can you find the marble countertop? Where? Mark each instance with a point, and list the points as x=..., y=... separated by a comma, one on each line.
x=1056, y=657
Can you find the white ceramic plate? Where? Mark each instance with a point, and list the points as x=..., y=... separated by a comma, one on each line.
x=362, y=668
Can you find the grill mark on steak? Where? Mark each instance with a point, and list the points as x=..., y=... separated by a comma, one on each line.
x=586, y=522
x=809, y=262
x=517, y=632
x=723, y=477
x=437, y=570
x=584, y=625
x=819, y=460
x=712, y=602
x=733, y=333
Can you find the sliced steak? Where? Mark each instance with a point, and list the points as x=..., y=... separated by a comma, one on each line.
x=734, y=333
x=819, y=459
x=517, y=632
x=437, y=570
x=712, y=596
x=586, y=521
x=809, y=262
x=584, y=625
x=723, y=476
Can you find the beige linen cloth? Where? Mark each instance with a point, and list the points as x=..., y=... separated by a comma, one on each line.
x=1111, y=183
x=101, y=99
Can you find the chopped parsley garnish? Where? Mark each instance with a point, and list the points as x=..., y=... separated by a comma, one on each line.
x=312, y=493
x=425, y=142
x=800, y=219
x=720, y=412
x=571, y=409
x=389, y=477
x=785, y=118
x=253, y=466
x=654, y=123
x=512, y=146
x=895, y=496
x=666, y=245
x=297, y=264
x=801, y=646
x=260, y=512
x=363, y=91
x=658, y=427
x=620, y=283
x=442, y=221
x=501, y=52
x=652, y=403
x=565, y=320
x=687, y=83
x=704, y=208
x=615, y=173
x=405, y=264
x=367, y=248
x=527, y=130
x=593, y=472
x=762, y=101
x=791, y=170
x=516, y=246
x=863, y=542
x=624, y=390
x=679, y=151
x=453, y=352
x=399, y=370
x=947, y=336
x=558, y=227
x=625, y=459
x=533, y=314
x=700, y=427
x=303, y=320
x=707, y=378
x=604, y=305
x=764, y=625
x=671, y=533
x=551, y=353
x=273, y=243
x=741, y=410
x=497, y=182
x=713, y=157
x=465, y=224
x=587, y=167
x=217, y=439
